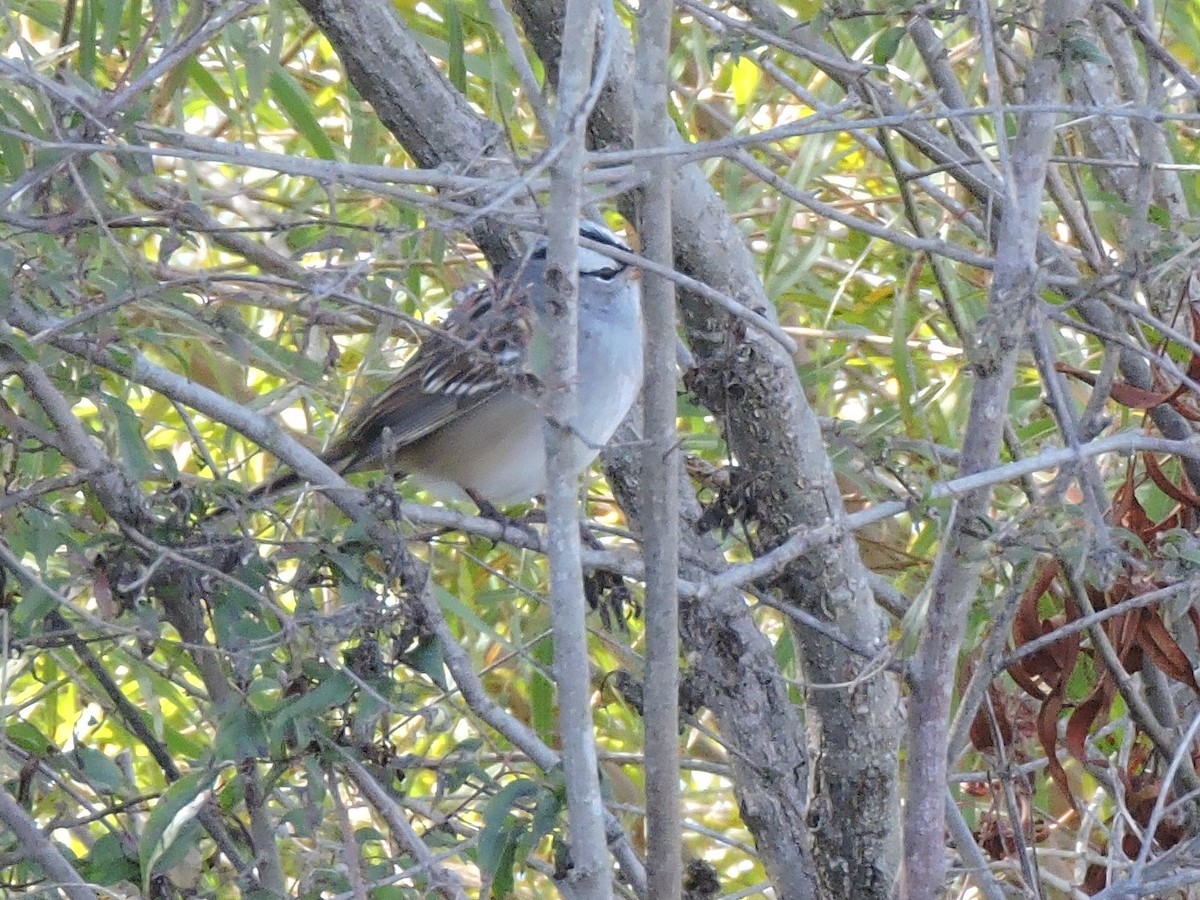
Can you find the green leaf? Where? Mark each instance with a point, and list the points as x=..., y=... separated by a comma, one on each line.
x=135, y=26
x=887, y=45
x=12, y=158
x=263, y=695
x=1078, y=49
x=298, y=107
x=454, y=38
x=110, y=24
x=501, y=834
x=241, y=734
x=428, y=659
x=333, y=691
x=87, y=41
x=541, y=691
x=902, y=362
x=33, y=606
x=208, y=85
x=176, y=808
x=27, y=737
x=255, y=66
x=465, y=767
x=98, y=770
x=13, y=340
x=107, y=862
x=132, y=446
x=366, y=135
x=545, y=817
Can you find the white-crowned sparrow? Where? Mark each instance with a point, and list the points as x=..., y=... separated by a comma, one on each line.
x=463, y=416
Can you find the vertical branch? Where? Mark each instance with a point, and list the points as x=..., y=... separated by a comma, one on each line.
x=262, y=829
x=660, y=462
x=956, y=578
x=589, y=876
x=851, y=829
x=349, y=848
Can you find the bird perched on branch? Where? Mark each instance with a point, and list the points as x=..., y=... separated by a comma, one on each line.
x=463, y=416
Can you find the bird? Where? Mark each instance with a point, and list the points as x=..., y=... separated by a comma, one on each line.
x=463, y=418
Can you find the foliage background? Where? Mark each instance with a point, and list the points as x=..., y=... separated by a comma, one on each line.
x=199, y=190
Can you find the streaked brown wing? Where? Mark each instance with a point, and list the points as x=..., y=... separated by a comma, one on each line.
x=405, y=412
x=483, y=343
x=480, y=348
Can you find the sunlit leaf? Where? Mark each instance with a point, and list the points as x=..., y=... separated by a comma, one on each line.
x=175, y=810
x=746, y=77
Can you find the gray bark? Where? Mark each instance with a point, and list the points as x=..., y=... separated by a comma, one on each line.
x=751, y=383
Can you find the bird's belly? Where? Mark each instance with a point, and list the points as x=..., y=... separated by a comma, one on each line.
x=498, y=451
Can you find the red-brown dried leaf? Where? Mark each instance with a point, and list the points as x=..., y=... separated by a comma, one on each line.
x=990, y=837
x=1128, y=512
x=1095, y=880
x=1048, y=738
x=1047, y=664
x=1125, y=394
x=1122, y=633
x=1138, y=398
x=1164, y=651
x=983, y=732
x=1027, y=625
x=1079, y=726
x=983, y=737
x=1178, y=493
x=1142, y=790
x=1194, y=364
x=976, y=788
x=996, y=837
x=1186, y=406
x=1037, y=689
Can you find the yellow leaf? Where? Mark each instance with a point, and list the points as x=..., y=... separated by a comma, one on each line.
x=746, y=75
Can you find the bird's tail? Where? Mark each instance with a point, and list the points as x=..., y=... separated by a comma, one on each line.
x=273, y=486
x=340, y=457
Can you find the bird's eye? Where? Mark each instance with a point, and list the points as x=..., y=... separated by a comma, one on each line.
x=605, y=273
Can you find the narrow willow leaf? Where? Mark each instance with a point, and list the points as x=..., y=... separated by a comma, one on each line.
x=541, y=692
x=87, y=41
x=33, y=606
x=110, y=24
x=303, y=115
x=129, y=437
x=454, y=37
x=209, y=86
x=241, y=734
x=332, y=691
x=547, y=809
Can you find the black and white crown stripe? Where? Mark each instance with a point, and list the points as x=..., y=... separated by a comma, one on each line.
x=593, y=263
